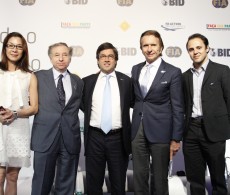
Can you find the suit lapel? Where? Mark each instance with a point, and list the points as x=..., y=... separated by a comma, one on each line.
x=90, y=89
x=137, y=75
x=190, y=83
x=160, y=73
x=120, y=81
x=208, y=72
x=51, y=83
x=73, y=86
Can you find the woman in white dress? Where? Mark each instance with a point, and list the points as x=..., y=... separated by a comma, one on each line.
x=19, y=100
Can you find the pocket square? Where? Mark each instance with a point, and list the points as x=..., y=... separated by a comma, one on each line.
x=163, y=71
x=164, y=82
x=211, y=83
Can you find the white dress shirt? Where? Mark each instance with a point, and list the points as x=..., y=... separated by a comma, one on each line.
x=198, y=76
x=97, y=99
x=153, y=71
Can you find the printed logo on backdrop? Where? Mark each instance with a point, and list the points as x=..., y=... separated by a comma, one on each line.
x=76, y=2
x=125, y=2
x=80, y=25
x=173, y=52
x=27, y=2
x=173, y=2
x=220, y=3
x=220, y=52
x=124, y=26
x=78, y=51
x=172, y=26
x=127, y=51
x=218, y=26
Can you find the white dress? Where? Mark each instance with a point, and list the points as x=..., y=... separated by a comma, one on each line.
x=15, y=136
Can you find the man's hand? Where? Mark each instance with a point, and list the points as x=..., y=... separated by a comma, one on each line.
x=174, y=148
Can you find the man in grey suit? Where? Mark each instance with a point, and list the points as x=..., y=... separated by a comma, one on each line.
x=207, y=110
x=56, y=138
x=157, y=122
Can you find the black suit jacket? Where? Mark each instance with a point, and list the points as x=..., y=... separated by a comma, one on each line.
x=50, y=115
x=215, y=95
x=125, y=87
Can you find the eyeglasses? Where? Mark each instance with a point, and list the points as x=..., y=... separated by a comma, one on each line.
x=11, y=46
x=110, y=57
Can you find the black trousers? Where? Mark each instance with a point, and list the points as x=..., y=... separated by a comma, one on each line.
x=105, y=149
x=56, y=159
x=200, y=152
x=142, y=150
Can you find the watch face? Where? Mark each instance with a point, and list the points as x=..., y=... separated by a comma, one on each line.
x=15, y=114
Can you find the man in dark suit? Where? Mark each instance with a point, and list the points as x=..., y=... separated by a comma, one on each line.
x=157, y=122
x=112, y=144
x=56, y=132
x=207, y=110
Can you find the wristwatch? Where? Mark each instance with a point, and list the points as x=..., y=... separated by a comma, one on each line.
x=15, y=114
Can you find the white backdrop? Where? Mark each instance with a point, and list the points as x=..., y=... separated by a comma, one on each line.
x=85, y=24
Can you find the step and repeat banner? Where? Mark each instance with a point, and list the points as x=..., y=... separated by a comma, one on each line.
x=85, y=24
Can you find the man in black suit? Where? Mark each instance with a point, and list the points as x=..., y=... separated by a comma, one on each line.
x=207, y=105
x=158, y=115
x=56, y=137
x=110, y=144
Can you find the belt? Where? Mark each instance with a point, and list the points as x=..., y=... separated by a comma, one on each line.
x=111, y=132
x=198, y=119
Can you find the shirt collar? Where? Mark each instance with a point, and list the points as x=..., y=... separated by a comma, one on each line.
x=57, y=73
x=102, y=74
x=203, y=67
x=156, y=63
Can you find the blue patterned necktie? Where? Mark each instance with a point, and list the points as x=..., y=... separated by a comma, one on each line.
x=106, y=113
x=145, y=80
x=61, y=91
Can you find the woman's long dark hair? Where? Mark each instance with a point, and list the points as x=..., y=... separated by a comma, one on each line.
x=23, y=62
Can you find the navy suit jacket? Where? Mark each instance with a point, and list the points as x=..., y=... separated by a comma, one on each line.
x=215, y=96
x=126, y=91
x=50, y=115
x=162, y=108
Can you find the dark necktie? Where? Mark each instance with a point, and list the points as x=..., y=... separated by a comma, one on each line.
x=106, y=113
x=61, y=91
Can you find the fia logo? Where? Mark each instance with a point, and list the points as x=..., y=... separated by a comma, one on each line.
x=173, y=52
x=172, y=2
x=27, y=2
x=220, y=3
x=124, y=2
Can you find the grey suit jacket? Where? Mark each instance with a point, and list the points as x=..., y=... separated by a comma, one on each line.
x=162, y=108
x=50, y=115
x=215, y=95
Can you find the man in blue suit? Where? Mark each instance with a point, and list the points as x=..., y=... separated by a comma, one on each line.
x=157, y=122
x=56, y=137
